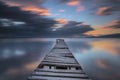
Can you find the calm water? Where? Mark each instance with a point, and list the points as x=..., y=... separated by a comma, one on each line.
x=100, y=58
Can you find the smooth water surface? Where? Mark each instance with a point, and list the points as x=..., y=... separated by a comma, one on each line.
x=99, y=57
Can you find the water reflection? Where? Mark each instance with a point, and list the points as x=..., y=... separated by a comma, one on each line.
x=100, y=58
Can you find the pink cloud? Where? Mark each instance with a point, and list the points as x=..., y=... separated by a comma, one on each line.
x=38, y=10
x=61, y=10
x=80, y=8
x=74, y=3
x=106, y=10
x=32, y=5
x=62, y=21
x=111, y=28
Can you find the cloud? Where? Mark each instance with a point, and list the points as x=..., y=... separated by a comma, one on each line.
x=109, y=29
x=73, y=3
x=82, y=24
x=106, y=10
x=76, y=3
x=104, y=7
x=37, y=10
x=34, y=23
x=61, y=10
x=11, y=23
x=37, y=25
x=102, y=32
x=23, y=3
x=62, y=21
x=114, y=24
x=71, y=29
x=21, y=15
x=69, y=24
x=33, y=6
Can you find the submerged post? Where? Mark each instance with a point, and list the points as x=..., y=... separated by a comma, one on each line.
x=59, y=64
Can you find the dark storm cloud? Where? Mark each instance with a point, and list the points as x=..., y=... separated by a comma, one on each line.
x=25, y=1
x=16, y=13
x=10, y=23
x=35, y=24
x=34, y=6
x=72, y=29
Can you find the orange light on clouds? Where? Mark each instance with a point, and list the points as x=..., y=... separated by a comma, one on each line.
x=110, y=28
x=100, y=32
x=62, y=21
x=104, y=10
x=114, y=24
x=31, y=7
x=82, y=24
x=74, y=3
x=38, y=10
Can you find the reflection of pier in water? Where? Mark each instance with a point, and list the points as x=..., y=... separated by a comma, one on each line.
x=59, y=64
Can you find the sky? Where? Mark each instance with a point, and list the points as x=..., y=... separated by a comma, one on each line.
x=59, y=18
